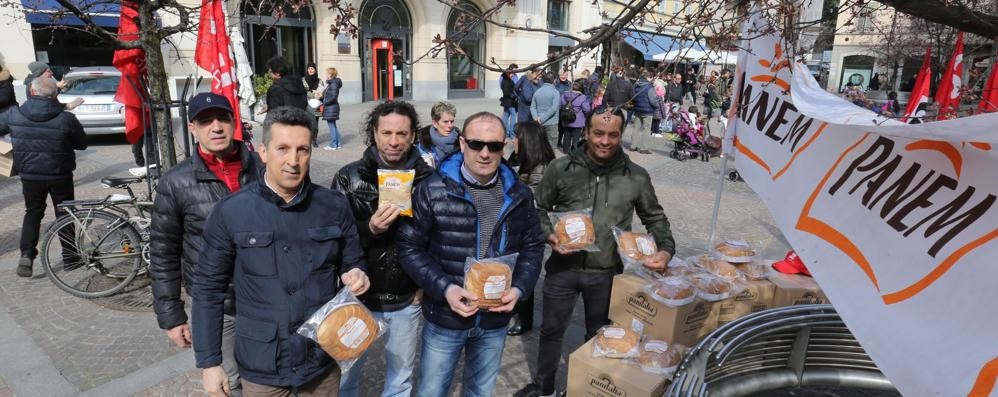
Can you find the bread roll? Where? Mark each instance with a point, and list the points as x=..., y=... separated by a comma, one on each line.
x=637, y=246
x=489, y=281
x=616, y=341
x=658, y=355
x=575, y=231
x=347, y=332
x=673, y=288
x=721, y=268
x=736, y=249
x=711, y=287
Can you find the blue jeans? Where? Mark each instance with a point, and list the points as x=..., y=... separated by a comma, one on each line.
x=334, y=134
x=441, y=351
x=400, y=354
x=509, y=119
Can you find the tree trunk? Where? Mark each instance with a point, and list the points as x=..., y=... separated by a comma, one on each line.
x=159, y=96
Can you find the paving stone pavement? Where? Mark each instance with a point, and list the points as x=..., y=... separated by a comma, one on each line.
x=93, y=347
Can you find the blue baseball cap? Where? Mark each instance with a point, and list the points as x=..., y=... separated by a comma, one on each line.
x=205, y=101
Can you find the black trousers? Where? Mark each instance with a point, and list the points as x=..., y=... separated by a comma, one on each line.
x=572, y=137
x=560, y=293
x=35, y=193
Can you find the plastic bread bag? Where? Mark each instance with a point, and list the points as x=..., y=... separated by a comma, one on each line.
x=574, y=230
x=634, y=249
x=755, y=270
x=674, y=291
x=713, y=288
x=615, y=341
x=680, y=267
x=719, y=268
x=344, y=328
x=489, y=279
x=395, y=187
x=659, y=357
x=734, y=251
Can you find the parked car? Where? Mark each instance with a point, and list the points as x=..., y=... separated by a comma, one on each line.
x=100, y=114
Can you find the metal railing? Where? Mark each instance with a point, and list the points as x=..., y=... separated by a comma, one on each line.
x=796, y=346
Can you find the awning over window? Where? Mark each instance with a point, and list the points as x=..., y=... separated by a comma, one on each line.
x=104, y=13
x=650, y=44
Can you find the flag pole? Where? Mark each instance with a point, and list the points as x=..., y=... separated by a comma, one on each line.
x=717, y=203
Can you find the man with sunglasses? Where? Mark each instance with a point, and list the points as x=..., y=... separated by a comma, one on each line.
x=184, y=197
x=474, y=207
x=597, y=176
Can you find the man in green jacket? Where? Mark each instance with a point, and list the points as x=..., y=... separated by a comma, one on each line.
x=600, y=177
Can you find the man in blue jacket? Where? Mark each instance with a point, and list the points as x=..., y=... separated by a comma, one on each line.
x=286, y=244
x=473, y=207
x=525, y=88
x=44, y=136
x=547, y=102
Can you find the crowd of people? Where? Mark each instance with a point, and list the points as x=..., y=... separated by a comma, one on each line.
x=236, y=287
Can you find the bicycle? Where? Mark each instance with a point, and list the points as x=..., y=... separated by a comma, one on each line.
x=98, y=247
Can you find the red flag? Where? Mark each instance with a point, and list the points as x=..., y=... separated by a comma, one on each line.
x=132, y=64
x=989, y=97
x=919, y=98
x=948, y=93
x=213, y=54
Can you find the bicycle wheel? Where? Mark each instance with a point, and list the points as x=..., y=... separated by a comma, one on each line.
x=91, y=253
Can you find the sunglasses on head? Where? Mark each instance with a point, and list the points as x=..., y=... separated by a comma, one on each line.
x=477, y=145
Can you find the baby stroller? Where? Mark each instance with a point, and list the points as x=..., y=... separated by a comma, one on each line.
x=688, y=140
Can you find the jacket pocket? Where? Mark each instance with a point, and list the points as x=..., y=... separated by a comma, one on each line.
x=256, y=345
x=256, y=253
x=327, y=244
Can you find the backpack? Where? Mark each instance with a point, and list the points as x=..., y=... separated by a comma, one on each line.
x=567, y=111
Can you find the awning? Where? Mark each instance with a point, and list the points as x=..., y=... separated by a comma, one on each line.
x=104, y=13
x=650, y=44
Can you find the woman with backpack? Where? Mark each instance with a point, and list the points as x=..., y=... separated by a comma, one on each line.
x=574, y=108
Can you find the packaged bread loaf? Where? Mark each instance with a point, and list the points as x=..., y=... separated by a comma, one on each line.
x=719, y=267
x=613, y=341
x=344, y=328
x=734, y=251
x=755, y=270
x=712, y=288
x=634, y=248
x=395, y=187
x=574, y=230
x=673, y=291
x=659, y=357
x=489, y=279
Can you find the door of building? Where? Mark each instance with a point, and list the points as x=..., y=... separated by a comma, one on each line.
x=382, y=69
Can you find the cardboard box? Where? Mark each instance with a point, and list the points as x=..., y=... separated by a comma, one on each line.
x=757, y=296
x=6, y=157
x=609, y=377
x=683, y=325
x=794, y=289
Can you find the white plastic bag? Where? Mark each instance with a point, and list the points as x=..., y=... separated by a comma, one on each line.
x=489, y=279
x=575, y=230
x=344, y=328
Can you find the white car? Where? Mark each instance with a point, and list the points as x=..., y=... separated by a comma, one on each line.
x=100, y=114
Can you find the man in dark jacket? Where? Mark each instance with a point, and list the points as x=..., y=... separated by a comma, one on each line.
x=645, y=103
x=44, y=136
x=184, y=197
x=507, y=83
x=286, y=90
x=393, y=297
x=285, y=244
x=619, y=90
x=474, y=207
x=674, y=90
x=525, y=88
x=600, y=177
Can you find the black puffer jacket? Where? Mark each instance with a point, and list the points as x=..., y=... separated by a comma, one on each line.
x=7, y=97
x=508, y=98
x=391, y=288
x=44, y=136
x=184, y=198
x=287, y=91
x=331, y=99
x=618, y=91
x=434, y=244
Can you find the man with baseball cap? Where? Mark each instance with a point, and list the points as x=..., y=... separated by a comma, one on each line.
x=38, y=69
x=184, y=198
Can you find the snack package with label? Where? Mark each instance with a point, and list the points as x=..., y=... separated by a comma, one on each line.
x=659, y=357
x=713, y=288
x=719, y=268
x=395, y=187
x=734, y=251
x=574, y=230
x=634, y=249
x=673, y=291
x=344, y=328
x=489, y=279
x=616, y=341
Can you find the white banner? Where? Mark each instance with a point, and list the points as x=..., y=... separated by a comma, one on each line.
x=896, y=222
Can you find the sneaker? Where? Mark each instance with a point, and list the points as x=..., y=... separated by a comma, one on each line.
x=530, y=390
x=24, y=267
x=657, y=135
x=330, y=148
x=644, y=151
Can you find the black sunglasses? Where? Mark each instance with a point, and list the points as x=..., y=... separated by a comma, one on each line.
x=476, y=145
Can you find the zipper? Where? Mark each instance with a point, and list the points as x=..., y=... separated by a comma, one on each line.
x=501, y=220
x=593, y=214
